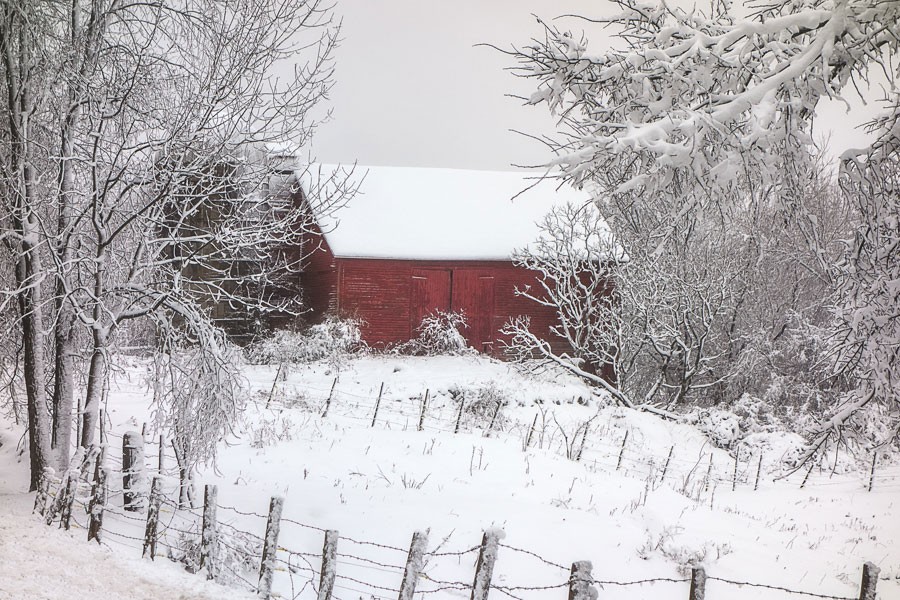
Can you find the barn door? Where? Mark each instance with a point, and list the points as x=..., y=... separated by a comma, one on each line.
x=430, y=292
x=473, y=294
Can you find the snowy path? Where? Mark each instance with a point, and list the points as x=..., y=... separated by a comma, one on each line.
x=38, y=562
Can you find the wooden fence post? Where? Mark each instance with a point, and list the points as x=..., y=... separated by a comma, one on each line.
x=162, y=455
x=328, y=402
x=43, y=493
x=377, y=403
x=270, y=547
x=484, y=569
x=758, y=470
x=150, y=533
x=808, y=473
x=698, y=584
x=869, y=581
x=57, y=504
x=274, y=383
x=422, y=414
x=132, y=471
x=737, y=453
x=462, y=405
x=531, y=432
x=329, y=565
x=581, y=580
x=708, y=472
x=209, y=537
x=415, y=562
x=101, y=418
x=872, y=472
x=494, y=417
x=65, y=516
x=583, y=442
x=622, y=451
x=99, y=494
x=666, y=466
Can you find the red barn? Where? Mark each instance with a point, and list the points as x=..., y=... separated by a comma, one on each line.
x=416, y=240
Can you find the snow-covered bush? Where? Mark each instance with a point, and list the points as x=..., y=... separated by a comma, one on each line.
x=236, y=558
x=439, y=333
x=331, y=339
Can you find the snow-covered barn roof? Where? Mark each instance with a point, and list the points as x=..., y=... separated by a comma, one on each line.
x=437, y=214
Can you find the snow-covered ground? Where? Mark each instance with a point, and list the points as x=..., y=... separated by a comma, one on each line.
x=377, y=484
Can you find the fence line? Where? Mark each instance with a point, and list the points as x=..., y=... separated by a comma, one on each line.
x=595, y=448
x=240, y=558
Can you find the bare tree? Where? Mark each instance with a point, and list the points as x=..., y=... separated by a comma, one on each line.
x=694, y=132
x=166, y=119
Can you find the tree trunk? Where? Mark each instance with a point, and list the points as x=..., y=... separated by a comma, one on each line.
x=38, y=417
x=96, y=381
x=20, y=196
x=64, y=387
x=65, y=351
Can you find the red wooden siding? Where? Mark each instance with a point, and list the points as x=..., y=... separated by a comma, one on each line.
x=319, y=279
x=392, y=296
x=429, y=292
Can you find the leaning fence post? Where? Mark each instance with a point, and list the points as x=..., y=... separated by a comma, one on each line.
x=329, y=565
x=132, y=470
x=422, y=414
x=377, y=403
x=99, y=494
x=462, y=405
x=758, y=470
x=698, y=584
x=57, y=504
x=869, y=580
x=666, y=466
x=270, y=547
x=328, y=402
x=872, y=472
x=583, y=442
x=415, y=562
x=484, y=569
x=708, y=473
x=531, y=432
x=494, y=417
x=808, y=473
x=150, y=533
x=622, y=451
x=66, y=514
x=209, y=538
x=580, y=580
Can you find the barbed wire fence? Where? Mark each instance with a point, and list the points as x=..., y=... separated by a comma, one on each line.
x=694, y=474
x=239, y=547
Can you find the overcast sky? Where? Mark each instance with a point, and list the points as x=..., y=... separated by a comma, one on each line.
x=414, y=89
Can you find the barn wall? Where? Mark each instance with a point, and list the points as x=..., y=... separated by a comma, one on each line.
x=319, y=279
x=379, y=293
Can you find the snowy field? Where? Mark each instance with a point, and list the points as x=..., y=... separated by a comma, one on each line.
x=630, y=507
